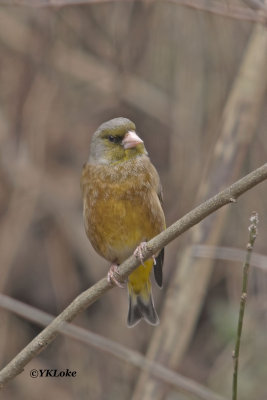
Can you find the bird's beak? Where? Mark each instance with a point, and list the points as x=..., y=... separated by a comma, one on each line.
x=131, y=139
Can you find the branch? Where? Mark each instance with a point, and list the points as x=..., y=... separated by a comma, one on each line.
x=253, y=231
x=257, y=12
x=89, y=296
x=229, y=254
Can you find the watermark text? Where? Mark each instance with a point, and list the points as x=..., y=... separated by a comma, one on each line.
x=52, y=373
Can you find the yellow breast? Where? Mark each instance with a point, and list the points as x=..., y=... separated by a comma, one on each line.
x=121, y=208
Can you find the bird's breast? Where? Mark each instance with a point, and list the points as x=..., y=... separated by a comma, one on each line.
x=120, y=211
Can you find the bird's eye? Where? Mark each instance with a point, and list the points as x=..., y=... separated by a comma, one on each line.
x=114, y=139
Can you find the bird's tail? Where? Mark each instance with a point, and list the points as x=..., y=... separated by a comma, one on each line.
x=141, y=303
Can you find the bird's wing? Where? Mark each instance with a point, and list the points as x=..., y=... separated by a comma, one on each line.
x=160, y=193
x=158, y=268
x=160, y=258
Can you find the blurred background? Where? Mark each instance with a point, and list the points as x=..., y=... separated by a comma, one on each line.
x=195, y=85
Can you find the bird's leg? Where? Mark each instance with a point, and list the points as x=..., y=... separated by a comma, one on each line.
x=139, y=253
x=111, y=276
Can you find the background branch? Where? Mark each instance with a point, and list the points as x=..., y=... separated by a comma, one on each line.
x=88, y=297
x=109, y=346
x=258, y=13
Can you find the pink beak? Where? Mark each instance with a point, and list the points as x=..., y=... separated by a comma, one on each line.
x=131, y=139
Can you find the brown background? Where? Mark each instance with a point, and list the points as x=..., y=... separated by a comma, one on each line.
x=63, y=71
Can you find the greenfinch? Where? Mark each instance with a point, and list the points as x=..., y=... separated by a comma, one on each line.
x=122, y=209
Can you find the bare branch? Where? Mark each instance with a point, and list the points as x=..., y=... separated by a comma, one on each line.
x=229, y=254
x=89, y=296
x=253, y=231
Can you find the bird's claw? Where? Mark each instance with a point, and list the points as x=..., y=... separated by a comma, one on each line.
x=111, y=276
x=139, y=253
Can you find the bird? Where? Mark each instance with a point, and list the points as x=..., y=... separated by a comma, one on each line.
x=122, y=210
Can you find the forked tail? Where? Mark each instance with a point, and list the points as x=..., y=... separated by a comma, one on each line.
x=141, y=306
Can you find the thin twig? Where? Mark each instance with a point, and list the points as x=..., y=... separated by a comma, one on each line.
x=229, y=254
x=252, y=237
x=89, y=296
x=109, y=346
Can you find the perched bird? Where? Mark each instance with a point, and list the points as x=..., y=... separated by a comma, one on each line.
x=122, y=209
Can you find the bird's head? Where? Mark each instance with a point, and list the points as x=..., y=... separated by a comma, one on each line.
x=115, y=141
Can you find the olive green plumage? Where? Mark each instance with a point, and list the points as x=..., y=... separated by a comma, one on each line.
x=122, y=207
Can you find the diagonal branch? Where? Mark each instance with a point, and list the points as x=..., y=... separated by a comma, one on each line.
x=89, y=296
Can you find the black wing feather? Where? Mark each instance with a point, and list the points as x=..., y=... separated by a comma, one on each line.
x=160, y=258
x=158, y=268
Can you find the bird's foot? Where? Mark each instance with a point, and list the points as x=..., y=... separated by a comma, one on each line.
x=139, y=253
x=113, y=271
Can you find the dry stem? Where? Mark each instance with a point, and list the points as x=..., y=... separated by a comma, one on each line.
x=252, y=237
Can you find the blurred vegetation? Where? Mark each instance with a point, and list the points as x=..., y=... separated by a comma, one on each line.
x=63, y=71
